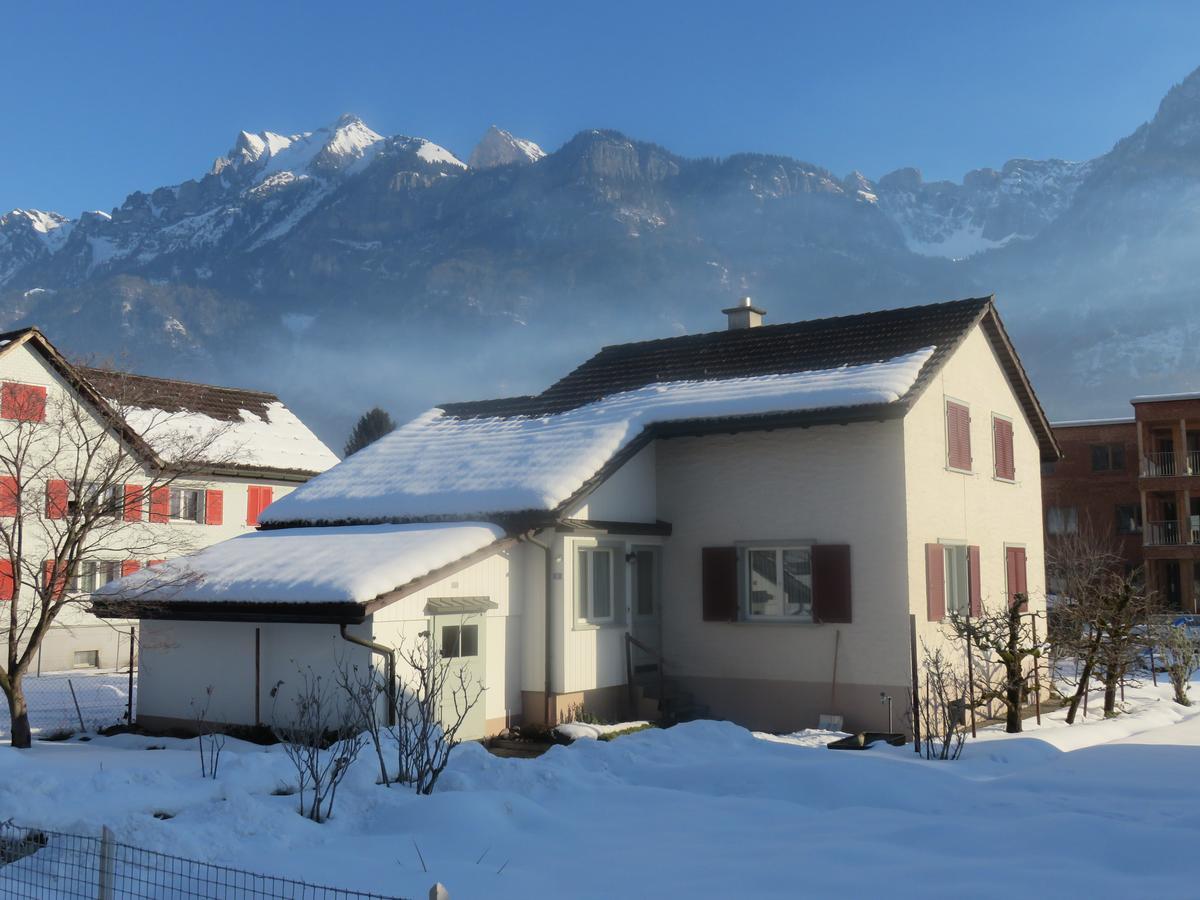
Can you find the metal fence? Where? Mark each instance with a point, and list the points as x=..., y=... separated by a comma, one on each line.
x=80, y=700
x=36, y=863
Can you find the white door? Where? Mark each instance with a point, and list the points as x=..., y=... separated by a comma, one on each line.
x=461, y=639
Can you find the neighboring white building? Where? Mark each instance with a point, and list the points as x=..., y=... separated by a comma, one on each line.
x=264, y=452
x=742, y=514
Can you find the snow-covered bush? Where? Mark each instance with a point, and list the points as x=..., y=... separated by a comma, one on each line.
x=1179, y=655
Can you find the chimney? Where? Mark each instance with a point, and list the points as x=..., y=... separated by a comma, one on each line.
x=744, y=315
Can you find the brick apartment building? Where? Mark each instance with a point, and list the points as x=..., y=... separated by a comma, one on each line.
x=1136, y=483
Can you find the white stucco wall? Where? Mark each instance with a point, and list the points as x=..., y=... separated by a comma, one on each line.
x=628, y=495
x=975, y=508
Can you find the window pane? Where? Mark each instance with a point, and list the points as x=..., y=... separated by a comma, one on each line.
x=1117, y=456
x=585, y=584
x=601, y=584
x=797, y=582
x=1099, y=457
x=646, y=578
x=450, y=641
x=958, y=598
x=766, y=596
x=470, y=640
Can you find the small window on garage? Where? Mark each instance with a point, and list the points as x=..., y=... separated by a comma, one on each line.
x=460, y=640
x=87, y=659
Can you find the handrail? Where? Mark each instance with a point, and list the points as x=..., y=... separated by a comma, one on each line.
x=630, y=643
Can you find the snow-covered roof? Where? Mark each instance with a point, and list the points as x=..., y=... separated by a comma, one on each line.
x=446, y=465
x=1157, y=398
x=352, y=564
x=238, y=428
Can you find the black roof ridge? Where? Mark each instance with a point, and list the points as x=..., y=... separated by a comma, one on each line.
x=776, y=326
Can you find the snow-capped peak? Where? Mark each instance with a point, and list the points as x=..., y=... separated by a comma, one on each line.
x=498, y=147
x=350, y=136
x=40, y=221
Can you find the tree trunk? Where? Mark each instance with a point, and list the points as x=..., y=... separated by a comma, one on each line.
x=1012, y=703
x=1085, y=679
x=18, y=713
x=1111, y=683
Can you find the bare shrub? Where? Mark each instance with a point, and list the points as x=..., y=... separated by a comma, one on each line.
x=1180, y=655
x=321, y=741
x=432, y=704
x=210, y=741
x=1005, y=640
x=365, y=692
x=943, y=700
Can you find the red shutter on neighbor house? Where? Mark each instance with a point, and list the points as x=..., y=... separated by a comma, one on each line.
x=1002, y=450
x=719, y=584
x=958, y=435
x=155, y=562
x=831, y=582
x=129, y=566
x=935, y=581
x=973, y=581
x=214, y=507
x=258, y=498
x=56, y=582
x=1014, y=559
x=22, y=402
x=9, y=493
x=133, y=503
x=8, y=583
x=56, y=499
x=160, y=504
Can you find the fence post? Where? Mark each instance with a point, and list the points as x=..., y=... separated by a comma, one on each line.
x=105, y=886
x=129, y=701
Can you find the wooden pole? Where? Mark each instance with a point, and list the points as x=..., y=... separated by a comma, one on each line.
x=916, y=685
x=82, y=727
x=837, y=641
x=132, y=644
x=1037, y=667
x=257, y=676
x=970, y=674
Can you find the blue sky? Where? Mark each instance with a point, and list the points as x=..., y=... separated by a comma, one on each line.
x=102, y=99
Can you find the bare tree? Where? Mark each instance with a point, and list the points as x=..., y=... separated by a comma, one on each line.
x=209, y=740
x=943, y=700
x=1005, y=640
x=321, y=739
x=432, y=704
x=1180, y=656
x=365, y=691
x=76, y=478
x=1122, y=625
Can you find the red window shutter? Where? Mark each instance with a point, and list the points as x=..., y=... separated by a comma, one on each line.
x=958, y=435
x=1014, y=559
x=720, y=586
x=935, y=581
x=1002, y=439
x=160, y=504
x=214, y=507
x=974, y=581
x=129, y=566
x=9, y=496
x=133, y=503
x=258, y=498
x=22, y=402
x=56, y=499
x=831, y=582
x=56, y=582
x=155, y=562
x=8, y=583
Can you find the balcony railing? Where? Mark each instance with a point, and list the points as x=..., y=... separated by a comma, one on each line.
x=1194, y=462
x=1160, y=464
x=1162, y=533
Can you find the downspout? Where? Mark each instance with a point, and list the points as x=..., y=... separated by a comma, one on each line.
x=389, y=658
x=549, y=650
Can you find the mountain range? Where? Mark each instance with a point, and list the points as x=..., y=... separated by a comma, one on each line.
x=343, y=268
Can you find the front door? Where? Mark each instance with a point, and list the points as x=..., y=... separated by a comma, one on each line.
x=461, y=641
x=646, y=614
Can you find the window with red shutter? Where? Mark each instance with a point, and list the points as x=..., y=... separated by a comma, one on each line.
x=9, y=493
x=8, y=584
x=57, y=497
x=935, y=582
x=133, y=503
x=831, y=583
x=22, y=402
x=1016, y=575
x=719, y=584
x=55, y=581
x=160, y=504
x=958, y=436
x=1002, y=448
x=129, y=566
x=214, y=507
x=258, y=498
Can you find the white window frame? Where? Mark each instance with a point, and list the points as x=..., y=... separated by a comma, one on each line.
x=744, y=581
x=956, y=578
x=94, y=655
x=173, y=505
x=585, y=608
x=93, y=493
x=93, y=574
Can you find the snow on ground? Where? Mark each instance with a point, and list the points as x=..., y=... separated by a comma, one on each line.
x=103, y=697
x=704, y=809
x=439, y=464
x=592, y=731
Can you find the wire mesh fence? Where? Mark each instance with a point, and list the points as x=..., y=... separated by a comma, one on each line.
x=36, y=863
x=81, y=700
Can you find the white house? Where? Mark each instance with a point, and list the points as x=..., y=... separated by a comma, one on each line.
x=261, y=452
x=738, y=523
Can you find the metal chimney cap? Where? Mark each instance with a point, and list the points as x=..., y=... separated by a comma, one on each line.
x=745, y=303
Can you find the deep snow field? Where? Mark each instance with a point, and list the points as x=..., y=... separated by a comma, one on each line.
x=706, y=809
